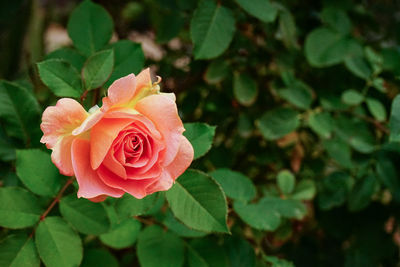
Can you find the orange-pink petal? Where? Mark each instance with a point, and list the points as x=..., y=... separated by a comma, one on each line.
x=102, y=136
x=90, y=185
x=162, y=111
x=136, y=188
x=61, y=155
x=163, y=183
x=120, y=91
x=60, y=120
x=89, y=122
x=97, y=199
x=182, y=160
x=143, y=79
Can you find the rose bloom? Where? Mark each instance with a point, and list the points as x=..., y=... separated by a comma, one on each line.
x=132, y=144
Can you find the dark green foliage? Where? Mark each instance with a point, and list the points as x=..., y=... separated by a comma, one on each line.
x=292, y=108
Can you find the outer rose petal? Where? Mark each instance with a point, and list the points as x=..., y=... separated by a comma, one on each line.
x=60, y=120
x=61, y=155
x=100, y=198
x=136, y=188
x=182, y=160
x=163, y=183
x=120, y=92
x=57, y=124
x=143, y=79
x=90, y=185
x=162, y=111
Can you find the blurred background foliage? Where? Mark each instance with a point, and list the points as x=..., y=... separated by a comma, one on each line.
x=300, y=93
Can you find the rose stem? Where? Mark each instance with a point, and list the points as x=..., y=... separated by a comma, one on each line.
x=53, y=203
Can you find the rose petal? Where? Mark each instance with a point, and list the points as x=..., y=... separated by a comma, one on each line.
x=136, y=116
x=136, y=188
x=140, y=173
x=106, y=131
x=143, y=79
x=162, y=111
x=163, y=183
x=61, y=119
x=102, y=136
x=97, y=199
x=89, y=122
x=90, y=185
x=170, y=96
x=120, y=92
x=61, y=155
x=182, y=160
x=113, y=165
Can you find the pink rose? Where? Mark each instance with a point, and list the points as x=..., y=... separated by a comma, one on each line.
x=132, y=144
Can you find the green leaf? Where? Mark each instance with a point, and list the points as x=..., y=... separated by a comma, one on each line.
x=159, y=248
x=99, y=258
x=70, y=55
x=286, y=181
x=90, y=27
x=200, y=135
x=61, y=78
x=179, y=228
x=168, y=24
x=277, y=262
x=352, y=97
x=18, y=251
x=362, y=192
x=7, y=149
x=128, y=206
x=375, y=59
x=379, y=84
x=261, y=9
x=19, y=112
x=298, y=93
x=235, y=185
x=58, y=245
x=334, y=190
x=287, y=208
x=129, y=58
x=339, y=151
x=394, y=122
x=287, y=28
x=37, y=172
x=337, y=19
x=18, y=208
x=325, y=47
x=377, y=109
x=198, y=201
x=356, y=133
x=86, y=216
x=217, y=71
x=240, y=253
x=359, y=67
x=387, y=173
x=305, y=190
x=206, y=252
x=245, y=89
x=321, y=123
x=122, y=234
x=211, y=28
x=98, y=69
x=258, y=216
x=277, y=123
